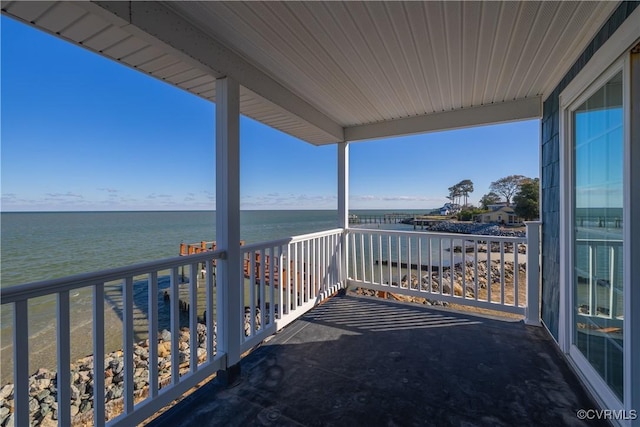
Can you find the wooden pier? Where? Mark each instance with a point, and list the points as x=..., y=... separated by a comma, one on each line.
x=390, y=218
x=417, y=220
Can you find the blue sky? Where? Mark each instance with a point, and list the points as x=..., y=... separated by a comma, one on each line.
x=80, y=132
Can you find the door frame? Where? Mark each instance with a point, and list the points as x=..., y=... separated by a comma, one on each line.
x=612, y=57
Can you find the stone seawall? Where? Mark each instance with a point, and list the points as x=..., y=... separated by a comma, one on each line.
x=475, y=228
x=487, y=276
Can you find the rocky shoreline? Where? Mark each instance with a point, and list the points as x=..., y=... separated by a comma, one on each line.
x=43, y=404
x=475, y=228
x=442, y=284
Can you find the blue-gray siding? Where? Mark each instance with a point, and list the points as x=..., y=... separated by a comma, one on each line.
x=551, y=172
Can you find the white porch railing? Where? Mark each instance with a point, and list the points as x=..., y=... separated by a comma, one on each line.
x=282, y=280
x=160, y=391
x=286, y=278
x=599, y=287
x=482, y=271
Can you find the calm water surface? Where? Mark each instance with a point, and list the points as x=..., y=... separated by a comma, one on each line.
x=38, y=246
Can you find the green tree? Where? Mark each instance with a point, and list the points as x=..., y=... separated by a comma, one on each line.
x=466, y=187
x=454, y=194
x=507, y=186
x=461, y=189
x=490, y=198
x=526, y=200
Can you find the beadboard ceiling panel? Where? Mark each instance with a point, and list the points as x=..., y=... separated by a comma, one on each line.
x=322, y=71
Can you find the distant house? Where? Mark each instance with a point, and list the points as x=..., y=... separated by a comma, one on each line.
x=499, y=214
x=450, y=209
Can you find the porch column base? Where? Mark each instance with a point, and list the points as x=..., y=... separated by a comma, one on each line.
x=230, y=376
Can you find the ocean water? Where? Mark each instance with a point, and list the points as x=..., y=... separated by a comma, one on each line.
x=39, y=246
x=45, y=245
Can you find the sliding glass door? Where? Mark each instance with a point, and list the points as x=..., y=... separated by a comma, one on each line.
x=597, y=133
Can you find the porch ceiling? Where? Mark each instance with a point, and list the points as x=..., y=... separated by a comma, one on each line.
x=331, y=71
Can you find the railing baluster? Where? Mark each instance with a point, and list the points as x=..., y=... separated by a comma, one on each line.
x=419, y=273
x=430, y=260
x=317, y=257
x=335, y=260
x=317, y=266
x=307, y=271
x=281, y=280
x=193, y=317
x=21, y=362
x=399, y=269
x=452, y=267
x=489, y=280
x=380, y=259
x=441, y=279
x=313, y=269
x=127, y=336
x=463, y=267
x=339, y=260
x=98, y=355
x=354, y=258
x=272, y=285
x=261, y=290
x=297, y=294
x=371, y=278
x=302, y=268
x=288, y=268
x=63, y=380
x=409, y=273
x=327, y=264
x=475, y=269
x=502, y=272
x=209, y=308
x=327, y=258
x=252, y=293
x=323, y=270
x=592, y=271
x=611, y=281
x=389, y=261
x=153, y=333
x=516, y=274
x=174, y=315
x=362, y=270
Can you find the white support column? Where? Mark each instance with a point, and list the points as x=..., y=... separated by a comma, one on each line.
x=229, y=279
x=343, y=208
x=343, y=184
x=532, y=316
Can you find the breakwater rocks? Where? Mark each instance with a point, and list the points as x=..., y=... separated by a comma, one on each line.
x=475, y=228
x=43, y=400
x=442, y=284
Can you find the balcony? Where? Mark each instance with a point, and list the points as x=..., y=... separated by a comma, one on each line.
x=377, y=356
x=358, y=360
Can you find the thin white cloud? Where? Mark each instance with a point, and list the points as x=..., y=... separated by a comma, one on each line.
x=109, y=190
x=64, y=195
x=288, y=201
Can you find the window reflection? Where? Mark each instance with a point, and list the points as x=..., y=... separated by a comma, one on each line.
x=598, y=247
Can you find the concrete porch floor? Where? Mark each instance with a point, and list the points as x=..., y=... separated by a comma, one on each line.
x=359, y=361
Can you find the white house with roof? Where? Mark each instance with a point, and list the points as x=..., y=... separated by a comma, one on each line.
x=499, y=214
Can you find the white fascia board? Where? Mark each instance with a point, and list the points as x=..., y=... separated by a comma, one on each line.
x=155, y=22
x=521, y=109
